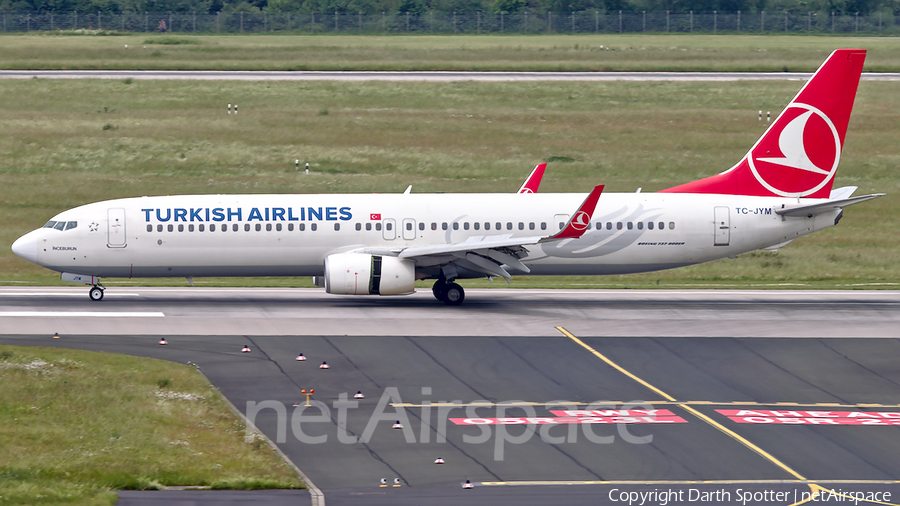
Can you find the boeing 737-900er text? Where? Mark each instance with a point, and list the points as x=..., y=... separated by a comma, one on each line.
x=380, y=244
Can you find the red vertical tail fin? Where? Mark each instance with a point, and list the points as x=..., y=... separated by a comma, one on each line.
x=798, y=154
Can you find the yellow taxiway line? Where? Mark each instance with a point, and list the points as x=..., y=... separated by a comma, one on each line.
x=721, y=428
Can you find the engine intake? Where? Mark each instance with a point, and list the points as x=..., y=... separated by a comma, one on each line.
x=364, y=274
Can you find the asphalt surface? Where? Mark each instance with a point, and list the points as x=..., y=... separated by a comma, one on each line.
x=417, y=352
x=436, y=76
x=499, y=312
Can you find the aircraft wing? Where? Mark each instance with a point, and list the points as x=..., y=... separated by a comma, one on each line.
x=814, y=209
x=491, y=254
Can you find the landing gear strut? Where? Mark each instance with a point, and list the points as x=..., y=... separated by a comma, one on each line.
x=96, y=293
x=449, y=293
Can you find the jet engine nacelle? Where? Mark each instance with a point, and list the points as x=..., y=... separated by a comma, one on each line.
x=363, y=274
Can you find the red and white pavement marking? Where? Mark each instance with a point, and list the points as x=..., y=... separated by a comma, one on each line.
x=803, y=417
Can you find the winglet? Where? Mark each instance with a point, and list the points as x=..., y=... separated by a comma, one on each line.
x=533, y=182
x=581, y=220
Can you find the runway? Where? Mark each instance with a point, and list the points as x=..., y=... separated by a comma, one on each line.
x=574, y=396
x=486, y=312
x=433, y=76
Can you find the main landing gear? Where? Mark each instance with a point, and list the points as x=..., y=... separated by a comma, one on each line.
x=96, y=293
x=449, y=293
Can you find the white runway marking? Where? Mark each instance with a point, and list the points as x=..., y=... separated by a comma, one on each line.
x=89, y=314
x=57, y=294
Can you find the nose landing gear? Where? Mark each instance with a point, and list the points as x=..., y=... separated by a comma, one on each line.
x=449, y=293
x=96, y=293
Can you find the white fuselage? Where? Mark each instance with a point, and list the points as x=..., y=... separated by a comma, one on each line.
x=291, y=235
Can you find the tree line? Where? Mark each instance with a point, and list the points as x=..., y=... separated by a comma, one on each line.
x=420, y=7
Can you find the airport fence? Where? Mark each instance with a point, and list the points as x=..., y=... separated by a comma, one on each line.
x=593, y=21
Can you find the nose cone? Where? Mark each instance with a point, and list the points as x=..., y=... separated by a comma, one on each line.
x=26, y=247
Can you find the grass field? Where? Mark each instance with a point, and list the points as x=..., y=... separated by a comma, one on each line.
x=67, y=143
x=75, y=425
x=601, y=52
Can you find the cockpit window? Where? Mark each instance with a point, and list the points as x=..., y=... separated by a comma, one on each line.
x=70, y=225
x=50, y=224
x=60, y=225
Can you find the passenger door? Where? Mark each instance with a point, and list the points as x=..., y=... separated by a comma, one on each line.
x=116, y=228
x=723, y=226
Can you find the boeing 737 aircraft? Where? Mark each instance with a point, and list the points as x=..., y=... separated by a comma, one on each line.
x=381, y=244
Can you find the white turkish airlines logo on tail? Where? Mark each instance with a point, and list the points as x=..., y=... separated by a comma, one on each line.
x=795, y=155
x=581, y=221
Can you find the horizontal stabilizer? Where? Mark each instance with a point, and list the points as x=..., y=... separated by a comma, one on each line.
x=822, y=207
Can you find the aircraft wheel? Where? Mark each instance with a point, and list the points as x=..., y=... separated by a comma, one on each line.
x=454, y=295
x=439, y=290
x=96, y=293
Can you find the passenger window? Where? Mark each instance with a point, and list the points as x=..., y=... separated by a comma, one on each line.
x=313, y=227
x=201, y=227
x=387, y=226
x=608, y=225
x=378, y=227
x=258, y=227
x=246, y=227
x=433, y=226
x=487, y=226
x=619, y=225
x=212, y=227
x=191, y=227
x=358, y=227
x=444, y=226
x=291, y=227
x=466, y=226
x=368, y=226
x=508, y=225
x=268, y=227
x=149, y=228
x=630, y=225
x=170, y=227
x=531, y=226
x=60, y=225
x=455, y=225
x=50, y=224
x=650, y=225
x=70, y=225
x=671, y=225
x=278, y=227
x=337, y=226
x=521, y=226
x=421, y=226
x=543, y=225
x=476, y=225
x=180, y=227
x=561, y=225
x=301, y=227
x=598, y=225
x=234, y=228
x=640, y=225
x=662, y=225
x=159, y=228
x=224, y=228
